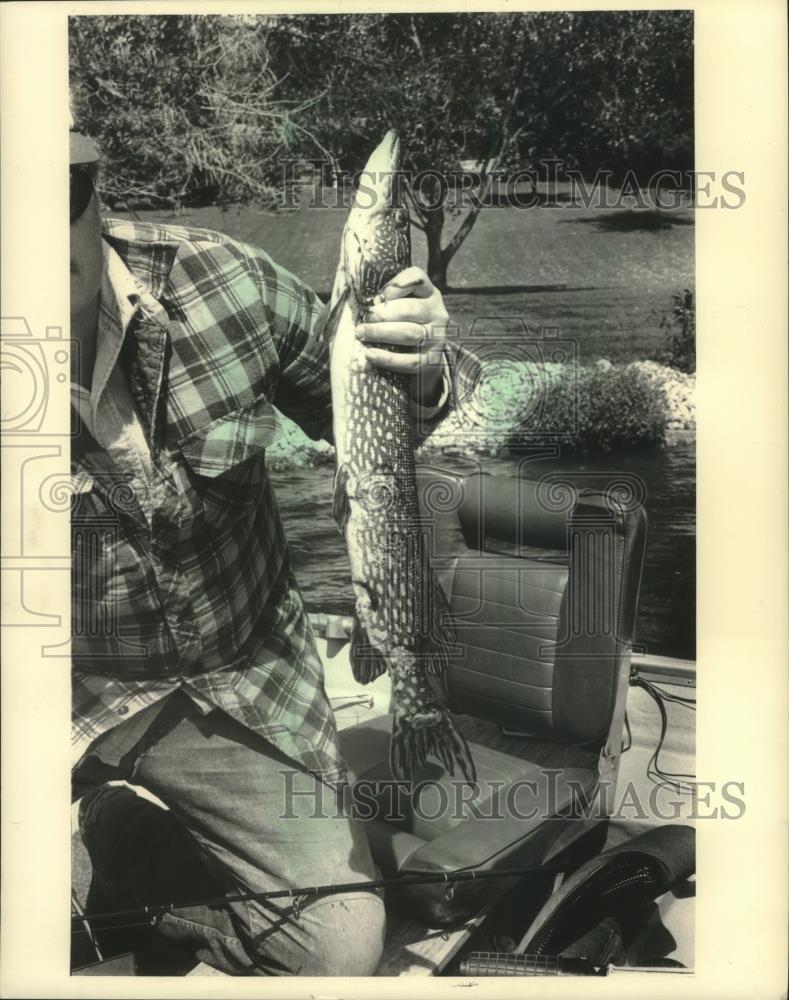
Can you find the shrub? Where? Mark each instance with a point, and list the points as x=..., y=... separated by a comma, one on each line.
x=679, y=327
x=596, y=409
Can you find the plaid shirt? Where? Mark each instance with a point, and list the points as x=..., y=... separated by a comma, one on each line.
x=190, y=587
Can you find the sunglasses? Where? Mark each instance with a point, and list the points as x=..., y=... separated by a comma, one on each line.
x=80, y=190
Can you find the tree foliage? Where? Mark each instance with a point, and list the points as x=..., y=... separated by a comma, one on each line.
x=607, y=90
x=600, y=91
x=185, y=108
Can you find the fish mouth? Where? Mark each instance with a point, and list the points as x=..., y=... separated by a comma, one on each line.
x=382, y=166
x=386, y=155
x=374, y=243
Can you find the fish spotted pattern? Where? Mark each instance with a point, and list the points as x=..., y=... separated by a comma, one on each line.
x=400, y=621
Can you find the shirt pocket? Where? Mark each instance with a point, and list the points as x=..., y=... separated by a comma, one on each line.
x=225, y=459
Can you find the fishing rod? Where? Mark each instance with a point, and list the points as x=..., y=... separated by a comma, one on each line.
x=491, y=963
x=152, y=913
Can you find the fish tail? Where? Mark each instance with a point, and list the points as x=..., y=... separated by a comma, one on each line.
x=411, y=745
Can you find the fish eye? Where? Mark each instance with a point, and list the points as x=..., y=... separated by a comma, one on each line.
x=400, y=218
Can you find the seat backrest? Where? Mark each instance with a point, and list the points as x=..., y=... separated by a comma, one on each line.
x=543, y=590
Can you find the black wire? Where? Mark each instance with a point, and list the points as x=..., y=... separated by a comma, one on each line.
x=670, y=779
x=626, y=746
x=676, y=780
x=689, y=702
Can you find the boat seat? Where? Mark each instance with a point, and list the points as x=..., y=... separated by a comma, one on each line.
x=542, y=586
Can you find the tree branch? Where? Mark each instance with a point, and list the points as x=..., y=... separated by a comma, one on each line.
x=500, y=142
x=416, y=39
x=416, y=206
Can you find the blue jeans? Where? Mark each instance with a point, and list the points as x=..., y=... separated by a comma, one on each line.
x=231, y=826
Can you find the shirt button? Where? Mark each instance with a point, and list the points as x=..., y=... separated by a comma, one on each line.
x=123, y=710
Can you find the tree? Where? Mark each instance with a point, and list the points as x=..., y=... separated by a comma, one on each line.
x=598, y=90
x=448, y=83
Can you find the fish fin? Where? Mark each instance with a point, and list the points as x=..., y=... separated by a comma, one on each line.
x=366, y=662
x=341, y=505
x=329, y=328
x=442, y=634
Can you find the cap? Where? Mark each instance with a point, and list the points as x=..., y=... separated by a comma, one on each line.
x=81, y=148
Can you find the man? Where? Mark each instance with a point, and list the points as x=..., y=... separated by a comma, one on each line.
x=195, y=673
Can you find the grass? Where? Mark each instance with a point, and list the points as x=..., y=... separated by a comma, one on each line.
x=604, y=277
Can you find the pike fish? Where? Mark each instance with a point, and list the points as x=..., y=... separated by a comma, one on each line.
x=400, y=612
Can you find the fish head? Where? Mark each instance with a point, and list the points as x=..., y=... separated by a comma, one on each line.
x=376, y=242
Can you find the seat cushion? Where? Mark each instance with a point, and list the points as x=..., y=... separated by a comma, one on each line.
x=512, y=818
x=506, y=616
x=542, y=588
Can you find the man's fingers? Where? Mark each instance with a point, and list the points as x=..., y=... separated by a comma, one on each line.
x=403, y=364
x=429, y=361
x=405, y=310
x=411, y=281
x=403, y=334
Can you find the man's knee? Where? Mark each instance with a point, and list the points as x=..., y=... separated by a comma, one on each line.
x=346, y=936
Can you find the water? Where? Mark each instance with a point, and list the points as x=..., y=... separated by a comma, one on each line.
x=667, y=608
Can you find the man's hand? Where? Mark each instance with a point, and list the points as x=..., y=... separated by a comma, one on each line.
x=409, y=313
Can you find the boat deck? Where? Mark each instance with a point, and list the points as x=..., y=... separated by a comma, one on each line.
x=413, y=949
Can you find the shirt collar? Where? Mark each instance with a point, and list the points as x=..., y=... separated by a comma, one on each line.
x=128, y=298
x=119, y=288
x=148, y=250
